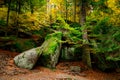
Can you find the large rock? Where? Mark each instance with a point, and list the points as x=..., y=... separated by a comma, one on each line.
x=28, y=58
x=51, y=52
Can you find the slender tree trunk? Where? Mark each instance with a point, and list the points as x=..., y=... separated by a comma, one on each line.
x=49, y=12
x=18, y=11
x=66, y=10
x=86, y=50
x=19, y=6
x=8, y=14
x=75, y=11
x=47, y=7
x=31, y=7
x=83, y=12
x=83, y=19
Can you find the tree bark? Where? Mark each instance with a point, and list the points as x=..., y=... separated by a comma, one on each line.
x=86, y=52
x=8, y=14
x=75, y=11
x=66, y=10
x=83, y=12
x=19, y=6
x=31, y=7
x=18, y=11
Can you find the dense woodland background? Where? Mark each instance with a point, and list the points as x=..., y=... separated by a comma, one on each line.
x=91, y=27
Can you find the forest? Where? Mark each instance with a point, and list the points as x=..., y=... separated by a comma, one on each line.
x=79, y=39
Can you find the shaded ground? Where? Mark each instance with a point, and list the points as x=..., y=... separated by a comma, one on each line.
x=8, y=71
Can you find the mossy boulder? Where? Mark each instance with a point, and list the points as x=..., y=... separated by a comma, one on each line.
x=51, y=52
x=28, y=58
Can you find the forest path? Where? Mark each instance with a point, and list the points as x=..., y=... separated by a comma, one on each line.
x=8, y=71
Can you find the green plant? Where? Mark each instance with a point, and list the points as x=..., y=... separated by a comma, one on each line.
x=2, y=23
x=102, y=27
x=22, y=45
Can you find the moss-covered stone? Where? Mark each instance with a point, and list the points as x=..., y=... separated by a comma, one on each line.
x=57, y=35
x=51, y=51
x=28, y=58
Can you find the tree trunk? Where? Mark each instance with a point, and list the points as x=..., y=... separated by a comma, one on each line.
x=8, y=14
x=19, y=6
x=51, y=52
x=18, y=11
x=86, y=52
x=66, y=10
x=86, y=58
x=31, y=7
x=75, y=11
x=83, y=12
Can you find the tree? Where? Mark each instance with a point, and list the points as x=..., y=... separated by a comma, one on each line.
x=83, y=12
x=8, y=14
x=74, y=10
x=86, y=53
x=31, y=6
x=66, y=13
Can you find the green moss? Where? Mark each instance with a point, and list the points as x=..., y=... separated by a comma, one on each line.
x=50, y=49
x=53, y=40
x=38, y=50
x=2, y=23
x=56, y=35
x=18, y=47
x=22, y=45
x=117, y=58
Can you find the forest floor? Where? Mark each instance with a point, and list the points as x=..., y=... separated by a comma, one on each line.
x=8, y=71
